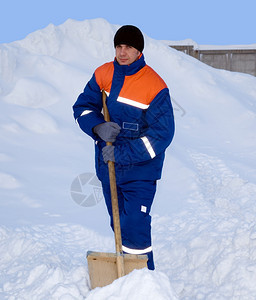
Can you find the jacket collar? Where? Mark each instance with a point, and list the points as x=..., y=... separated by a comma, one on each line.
x=132, y=68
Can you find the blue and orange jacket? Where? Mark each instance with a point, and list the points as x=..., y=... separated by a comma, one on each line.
x=139, y=102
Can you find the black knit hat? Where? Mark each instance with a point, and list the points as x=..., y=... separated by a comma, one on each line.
x=131, y=36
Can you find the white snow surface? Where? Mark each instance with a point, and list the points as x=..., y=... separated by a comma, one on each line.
x=204, y=213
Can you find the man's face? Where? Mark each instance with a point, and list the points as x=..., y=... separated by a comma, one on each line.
x=126, y=55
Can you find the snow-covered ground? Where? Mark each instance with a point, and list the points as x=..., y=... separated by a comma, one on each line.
x=204, y=214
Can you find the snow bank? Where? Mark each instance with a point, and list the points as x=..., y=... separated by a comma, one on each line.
x=139, y=284
x=211, y=245
x=7, y=181
x=204, y=212
x=48, y=262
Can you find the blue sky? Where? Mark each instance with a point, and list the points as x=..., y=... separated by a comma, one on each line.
x=212, y=22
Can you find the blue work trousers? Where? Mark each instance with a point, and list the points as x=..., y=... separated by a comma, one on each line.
x=135, y=199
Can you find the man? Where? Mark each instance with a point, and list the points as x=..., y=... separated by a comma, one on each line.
x=141, y=128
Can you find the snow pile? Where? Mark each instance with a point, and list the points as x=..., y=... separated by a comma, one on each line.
x=139, y=284
x=48, y=262
x=204, y=214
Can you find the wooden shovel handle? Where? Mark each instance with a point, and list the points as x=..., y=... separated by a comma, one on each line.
x=114, y=200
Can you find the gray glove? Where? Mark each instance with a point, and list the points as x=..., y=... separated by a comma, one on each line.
x=108, y=153
x=107, y=131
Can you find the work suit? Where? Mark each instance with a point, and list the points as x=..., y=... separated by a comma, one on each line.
x=138, y=101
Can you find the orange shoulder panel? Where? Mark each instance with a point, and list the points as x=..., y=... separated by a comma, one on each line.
x=104, y=75
x=143, y=86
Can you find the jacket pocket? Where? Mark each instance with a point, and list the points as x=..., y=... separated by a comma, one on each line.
x=130, y=126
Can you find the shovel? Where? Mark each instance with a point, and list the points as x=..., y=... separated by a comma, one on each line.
x=103, y=267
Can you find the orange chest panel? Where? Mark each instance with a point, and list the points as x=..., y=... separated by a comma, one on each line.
x=138, y=89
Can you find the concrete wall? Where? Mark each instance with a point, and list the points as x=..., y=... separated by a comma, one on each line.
x=237, y=60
